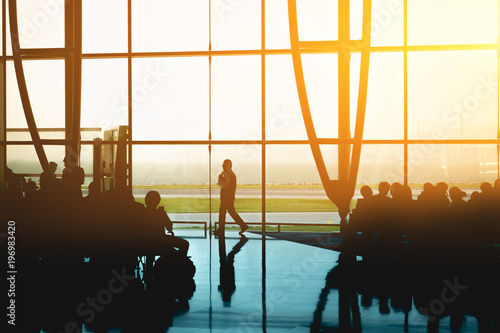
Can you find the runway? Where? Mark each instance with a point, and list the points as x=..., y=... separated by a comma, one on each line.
x=306, y=193
x=292, y=217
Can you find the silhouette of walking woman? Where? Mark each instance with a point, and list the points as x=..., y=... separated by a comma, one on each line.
x=227, y=182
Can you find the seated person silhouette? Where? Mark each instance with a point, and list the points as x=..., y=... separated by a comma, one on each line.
x=227, y=182
x=160, y=220
x=14, y=183
x=458, y=216
x=156, y=220
x=486, y=191
x=441, y=197
x=382, y=214
x=361, y=216
x=496, y=190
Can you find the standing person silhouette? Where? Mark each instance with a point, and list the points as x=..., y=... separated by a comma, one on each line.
x=73, y=177
x=227, y=182
x=49, y=184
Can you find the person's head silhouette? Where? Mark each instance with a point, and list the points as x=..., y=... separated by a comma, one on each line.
x=227, y=165
x=53, y=166
x=94, y=189
x=442, y=187
x=152, y=199
x=366, y=192
x=383, y=188
x=486, y=187
x=456, y=194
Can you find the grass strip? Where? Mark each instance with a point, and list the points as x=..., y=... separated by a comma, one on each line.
x=281, y=186
x=246, y=205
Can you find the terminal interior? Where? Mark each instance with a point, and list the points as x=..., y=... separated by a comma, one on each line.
x=363, y=135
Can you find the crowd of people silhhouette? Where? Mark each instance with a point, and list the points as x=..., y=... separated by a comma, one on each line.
x=78, y=256
x=451, y=291
x=69, y=247
x=439, y=217
x=438, y=251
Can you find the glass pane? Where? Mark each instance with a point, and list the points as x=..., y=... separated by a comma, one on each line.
x=387, y=23
x=23, y=134
x=104, y=26
x=384, y=117
x=45, y=81
x=294, y=192
x=356, y=18
x=159, y=25
x=452, y=95
x=277, y=28
x=236, y=98
x=8, y=50
x=246, y=160
x=1, y=32
x=16, y=135
x=104, y=93
x=170, y=165
x=24, y=160
x=452, y=163
x=90, y=133
x=331, y=156
x=170, y=99
x=179, y=174
x=380, y=163
x=236, y=25
x=317, y=20
x=41, y=23
x=86, y=162
x=321, y=77
x=452, y=22
x=247, y=166
x=354, y=86
x=283, y=114
x=15, y=111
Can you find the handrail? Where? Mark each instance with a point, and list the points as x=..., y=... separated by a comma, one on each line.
x=279, y=224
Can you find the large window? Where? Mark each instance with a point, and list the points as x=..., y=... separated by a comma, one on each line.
x=206, y=84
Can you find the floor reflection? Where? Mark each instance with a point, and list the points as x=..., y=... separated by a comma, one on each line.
x=103, y=294
x=451, y=289
x=227, y=284
x=259, y=283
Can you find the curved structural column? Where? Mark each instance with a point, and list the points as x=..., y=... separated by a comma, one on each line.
x=340, y=192
x=72, y=54
x=23, y=90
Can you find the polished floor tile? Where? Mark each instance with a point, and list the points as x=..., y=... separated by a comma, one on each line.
x=278, y=288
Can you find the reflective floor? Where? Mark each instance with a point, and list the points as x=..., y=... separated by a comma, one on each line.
x=281, y=287
x=263, y=284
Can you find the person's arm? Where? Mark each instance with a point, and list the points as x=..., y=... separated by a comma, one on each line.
x=223, y=179
x=81, y=175
x=166, y=220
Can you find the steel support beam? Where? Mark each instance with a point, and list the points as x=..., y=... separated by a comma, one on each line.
x=344, y=79
x=3, y=124
x=23, y=89
x=73, y=73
